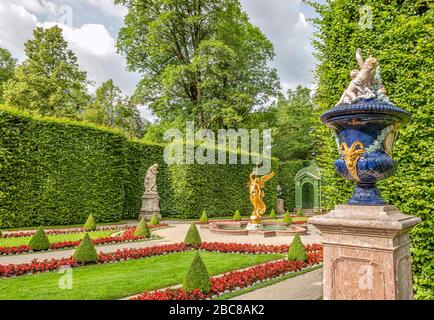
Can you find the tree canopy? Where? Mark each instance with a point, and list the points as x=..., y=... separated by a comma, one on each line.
x=113, y=110
x=199, y=60
x=7, y=68
x=49, y=81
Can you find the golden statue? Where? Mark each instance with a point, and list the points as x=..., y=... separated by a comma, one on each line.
x=257, y=195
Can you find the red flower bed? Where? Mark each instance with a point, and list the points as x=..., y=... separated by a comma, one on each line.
x=18, y=234
x=314, y=256
x=120, y=255
x=235, y=280
x=243, y=247
x=126, y=237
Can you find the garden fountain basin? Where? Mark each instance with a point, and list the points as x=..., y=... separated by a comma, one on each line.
x=269, y=229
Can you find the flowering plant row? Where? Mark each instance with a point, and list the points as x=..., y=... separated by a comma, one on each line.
x=35, y=265
x=235, y=280
x=314, y=255
x=252, y=248
x=19, y=234
x=128, y=236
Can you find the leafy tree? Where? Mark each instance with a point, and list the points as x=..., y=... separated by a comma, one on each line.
x=197, y=276
x=105, y=107
x=401, y=38
x=49, y=81
x=293, y=134
x=39, y=240
x=86, y=252
x=293, y=137
x=199, y=60
x=7, y=68
x=111, y=109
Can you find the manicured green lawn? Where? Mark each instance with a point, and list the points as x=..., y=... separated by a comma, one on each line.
x=122, y=279
x=12, y=242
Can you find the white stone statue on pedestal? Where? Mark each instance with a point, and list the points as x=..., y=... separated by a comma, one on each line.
x=150, y=198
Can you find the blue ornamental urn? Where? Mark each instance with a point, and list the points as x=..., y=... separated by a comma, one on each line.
x=366, y=126
x=365, y=132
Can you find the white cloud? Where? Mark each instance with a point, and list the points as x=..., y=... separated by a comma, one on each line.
x=16, y=26
x=286, y=27
x=109, y=7
x=93, y=45
x=96, y=53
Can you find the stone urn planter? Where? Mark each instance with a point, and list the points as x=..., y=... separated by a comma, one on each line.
x=365, y=132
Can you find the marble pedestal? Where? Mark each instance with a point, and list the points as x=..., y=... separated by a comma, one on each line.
x=366, y=253
x=150, y=205
x=279, y=207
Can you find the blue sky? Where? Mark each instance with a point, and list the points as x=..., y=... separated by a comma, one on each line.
x=91, y=27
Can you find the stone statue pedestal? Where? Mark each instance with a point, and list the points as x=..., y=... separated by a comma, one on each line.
x=366, y=253
x=150, y=205
x=279, y=207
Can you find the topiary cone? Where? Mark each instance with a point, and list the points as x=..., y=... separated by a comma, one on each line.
x=203, y=217
x=287, y=217
x=272, y=214
x=237, y=216
x=142, y=229
x=86, y=252
x=39, y=240
x=297, y=251
x=90, y=224
x=197, y=276
x=154, y=220
x=192, y=237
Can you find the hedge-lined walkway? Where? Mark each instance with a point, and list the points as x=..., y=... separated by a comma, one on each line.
x=173, y=234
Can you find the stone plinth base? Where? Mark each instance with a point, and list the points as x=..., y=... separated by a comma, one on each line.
x=150, y=205
x=366, y=253
x=280, y=209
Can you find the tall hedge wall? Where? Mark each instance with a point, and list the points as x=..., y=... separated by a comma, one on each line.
x=218, y=189
x=287, y=172
x=402, y=38
x=56, y=172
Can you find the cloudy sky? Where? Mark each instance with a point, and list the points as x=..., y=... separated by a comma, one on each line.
x=91, y=27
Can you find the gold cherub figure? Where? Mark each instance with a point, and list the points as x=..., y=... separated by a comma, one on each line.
x=257, y=195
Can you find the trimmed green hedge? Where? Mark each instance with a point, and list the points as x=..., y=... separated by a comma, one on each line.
x=401, y=38
x=219, y=189
x=56, y=172
x=287, y=171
